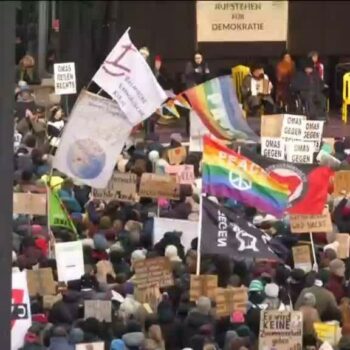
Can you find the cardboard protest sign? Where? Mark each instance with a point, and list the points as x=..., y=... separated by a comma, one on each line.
x=70, y=261
x=90, y=346
x=273, y=147
x=184, y=173
x=151, y=271
x=329, y=332
x=282, y=330
x=203, y=285
x=300, y=152
x=149, y=295
x=21, y=318
x=302, y=258
x=231, y=299
x=292, y=127
x=344, y=245
x=65, y=80
x=30, y=203
x=311, y=223
x=312, y=132
x=271, y=125
x=121, y=187
x=177, y=155
x=341, y=182
x=155, y=186
x=99, y=309
x=41, y=282
x=50, y=300
x=188, y=228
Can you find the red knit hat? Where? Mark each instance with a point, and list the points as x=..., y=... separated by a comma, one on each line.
x=158, y=58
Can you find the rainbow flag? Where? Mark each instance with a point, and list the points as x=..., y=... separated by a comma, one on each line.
x=215, y=101
x=226, y=173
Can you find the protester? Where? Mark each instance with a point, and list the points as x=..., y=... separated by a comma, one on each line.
x=197, y=71
x=318, y=66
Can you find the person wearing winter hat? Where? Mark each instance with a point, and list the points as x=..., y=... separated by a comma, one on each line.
x=117, y=344
x=137, y=255
x=133, y=338
x=310, y=314
x=272, y=301
x=59, y=340
x=335, y=283
x=171, y=254
x=76, y=336
x=296, y=282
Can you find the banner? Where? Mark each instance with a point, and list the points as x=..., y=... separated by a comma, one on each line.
x=177, y=155
x=271, y=125
x=344, y=245
x=300, y=152
x=341, y=182
x=99, y=309
x=155, y=186
x=21, y=318
x=311, y=223
x=184, y=173
x=221, y=21
x=30, y=203
x=64, y=77
x=70, y=261
x=128, y=79
x=41, y=282
x=302, y=258
x=151, y=271
x=224, y=233
x=282, y=330
x=92, y=139
x=188, y=229
x=203, y=285
x=273, y=147
x=121, y=187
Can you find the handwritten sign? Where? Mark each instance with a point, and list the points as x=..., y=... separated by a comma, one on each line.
x=229, y=300
x=30, y=203
x=65, y=80
x=155, y=186
x=342, y=182
x=282, y=330
x=273, y=147
x=41, y=282
x=302, y=258
x=177, y=155
x=149, y=295
x=344, y=245
x=121, y=187
x=311, y=223
x=153, y=271
x=184, y=173
x=99, y=309
x=203, y=285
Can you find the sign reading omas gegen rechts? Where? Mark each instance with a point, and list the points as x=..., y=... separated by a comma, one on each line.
x=65, y=80
x=242, y=21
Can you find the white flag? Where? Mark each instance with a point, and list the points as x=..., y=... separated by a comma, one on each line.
x=20, y=309
x=127, y=78
x=92, y=140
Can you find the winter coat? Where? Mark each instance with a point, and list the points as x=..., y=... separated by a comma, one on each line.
x=60, y=343
x=67, y=310
x=310, y=315
x=134, y=341
x=336, y=287
x=194, y=321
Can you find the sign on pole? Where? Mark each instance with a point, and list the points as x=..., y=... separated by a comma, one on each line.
x=65, y=79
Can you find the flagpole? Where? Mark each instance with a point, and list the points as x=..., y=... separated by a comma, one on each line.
x=198, y=268
x=313, y=250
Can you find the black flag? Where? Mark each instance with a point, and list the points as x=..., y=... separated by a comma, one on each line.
x=225, y=233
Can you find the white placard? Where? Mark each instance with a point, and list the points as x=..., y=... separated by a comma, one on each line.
x=292, y=127
x=312, y=132
x=300, y=152
x=242, y=21
x=21, y=318
x=273, y=147
x=188, y=228
x=65, y=79
x=70, y=261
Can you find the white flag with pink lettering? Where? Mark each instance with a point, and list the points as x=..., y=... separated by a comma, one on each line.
x=127, y=78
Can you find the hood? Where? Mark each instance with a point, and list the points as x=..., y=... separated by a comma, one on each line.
x=134, y=339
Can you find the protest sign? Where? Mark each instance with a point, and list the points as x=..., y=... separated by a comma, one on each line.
x=273, y=147
x=151, y=271
x=203, y=285
x=292, y=127
x=329, y=332
x=149, y=295
x=50, y=300
x=344, y=245
x=70, y=261
x=312, y=132
x=300, y=152
x=65, y=80
x=189, y=230
x=41, y=282
x=341, y=182
x=311, y=223
x=90, y=346
x=271, y=125
x=21, y=318
x=302, y=258
x=99, y=309
x=177, y=155
x=184, y=173
x=282, y=330
x=326, y=159
x=121, y=187
x=231, y=299
x=30, y=203
x=155, y=186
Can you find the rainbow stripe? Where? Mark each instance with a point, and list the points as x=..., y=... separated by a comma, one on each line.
x=226, y=173
x=215, y=101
